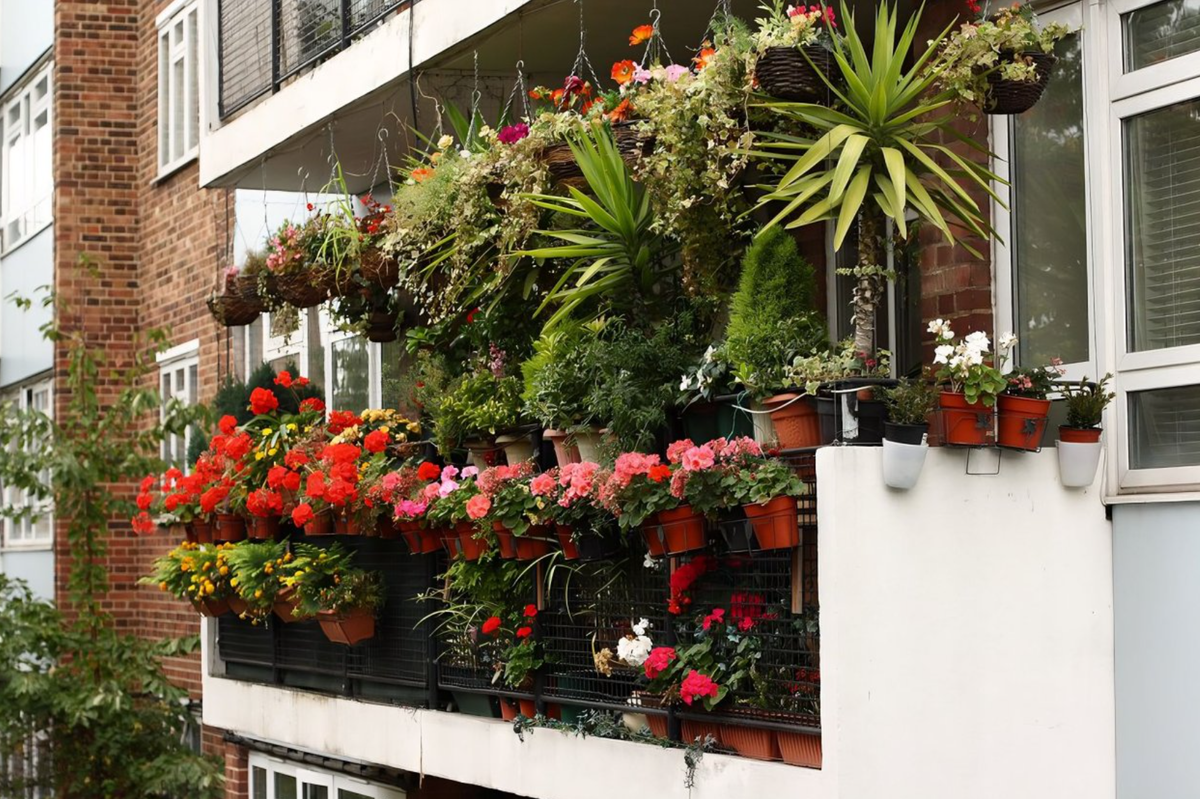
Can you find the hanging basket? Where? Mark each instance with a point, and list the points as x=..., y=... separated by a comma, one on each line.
x=785, y=73
x=259, y=286
x=233, y=309
x=301, y=288
x=381, y=327
x=379, y=268
x=1018, y=96
x=631, y=142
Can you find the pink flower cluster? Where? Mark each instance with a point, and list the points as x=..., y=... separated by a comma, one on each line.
x=494, y=478
x=579, y=480
x=284, y=250
x=697, y=686
x=630, y=465
x=409, y=511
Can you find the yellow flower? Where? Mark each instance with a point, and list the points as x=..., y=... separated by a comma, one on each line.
x=224, y=570
x=292, y=426
x=258, y=456
x=266, y=432
x=163, y=585
x=209, y=588
x=234, y=582
x=258, y=594
x=272, y=451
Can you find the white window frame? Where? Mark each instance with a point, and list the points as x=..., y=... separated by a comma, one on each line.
x=178, y=40
x=179, y=358
x=1072, y=15
x=306, y=775
x=28, y=539
x=1130, y=95
x=19, y=224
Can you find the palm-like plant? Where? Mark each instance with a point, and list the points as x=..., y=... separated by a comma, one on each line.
x=876, y=155
x=617, y=255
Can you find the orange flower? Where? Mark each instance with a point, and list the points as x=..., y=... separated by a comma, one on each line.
x=621, y=112
x=556, y=97
x=622, y=72
x=420, y=174
x=641, y=34
x=705, y=54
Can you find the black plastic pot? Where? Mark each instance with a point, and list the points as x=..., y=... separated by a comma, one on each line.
x=905, y=433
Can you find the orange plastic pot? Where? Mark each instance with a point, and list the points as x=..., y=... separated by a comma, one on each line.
x=529, y=709
x=535, y=543
x=348, y=628
x=1021, y=421
x=1079, y=435
x=800, y=748
x=683, y=530
x=211, y=607
x=319, y=525
x=285, y=605
x=750, y=742
x=965, y=423
x=238, y=605
x=509, y=708
x=470, y=546
x=264, y=528
x=690, y=730
x=230, y=527
x=775, y=523
x=420, y=540
x=796, y=421
x=566, y=541
x=448, y=537
x=504, y=541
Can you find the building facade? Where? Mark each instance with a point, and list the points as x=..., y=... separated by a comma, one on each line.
x=1031, y=642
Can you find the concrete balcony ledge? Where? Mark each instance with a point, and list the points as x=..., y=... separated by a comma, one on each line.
x=966, y=653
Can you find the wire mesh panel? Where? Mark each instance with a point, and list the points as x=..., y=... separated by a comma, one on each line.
x=245, y=41
x=308, y=29
x=242, y=642
x=593, y=608
x=399, y=651
x=366, y=12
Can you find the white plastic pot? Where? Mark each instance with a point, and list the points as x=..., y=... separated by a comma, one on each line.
x=764, y=428
x=517, y=449
x=589, y=445
x=1077, y=463
x=902, y=463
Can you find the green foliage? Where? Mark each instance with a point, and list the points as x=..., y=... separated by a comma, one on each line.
x=256, y=572
x=475, y=406
x=761, y=357
x=777, y=284
x=112, y=721
x=558, y=377
x=1086, y=402
x=910, y=402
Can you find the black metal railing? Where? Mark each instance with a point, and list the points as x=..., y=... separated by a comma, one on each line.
x=264, y=42
x=405, y=663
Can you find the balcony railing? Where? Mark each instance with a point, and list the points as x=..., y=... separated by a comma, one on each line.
x=264, y=42
x=405, y=663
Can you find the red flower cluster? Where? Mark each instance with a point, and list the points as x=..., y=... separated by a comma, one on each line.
x=716, y=617
x=376, y=441
x=658, y=660
x=684, y=577
x=429, y=471
x=339, y=421
x=524, y=632
x=491, y=625
x=263, y=401
x=697, y=686
x=264, y=502
x=747, y=609
x=285, y=380
x=313, y=404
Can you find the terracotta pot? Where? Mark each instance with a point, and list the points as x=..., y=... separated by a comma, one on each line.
x=775, y=523
x=529, y=709
x=683, y=530
x=264, y=528
x=238, y=605
x=509, y=708
x=385, y=527
x=470, y=546
x=320, y=525
x=564, y=453
x=800, y=748
x=965, y=423
x=285, y=605
x=750, y=742
x=565, y=540
x=1079, y=435
x=349, y=627
x=1021, y=421
x=203, y=530
x=796, y=422
x=347, y=524
x=420, y=540
x=230, y=527
x=504, y=541
x=211, y=607
x=691, y=730
x=534, y=544
x=655, y=721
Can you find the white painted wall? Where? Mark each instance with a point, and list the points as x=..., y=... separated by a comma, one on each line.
x=26, y=32
x=1156, y=550
x=966, y=654
x=26, y=271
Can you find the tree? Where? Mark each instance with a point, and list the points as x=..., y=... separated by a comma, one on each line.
x=96, y=699
x=875, y=156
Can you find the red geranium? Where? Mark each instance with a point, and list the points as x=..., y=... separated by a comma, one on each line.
x=531, y=611
x=429, y=471
x=295, y=459
x=302, y=514
x=376, y=441
x=263, y=401
x=275, y=476
x=491, y=625
x=340, y=420
x=315, y=486
x=142, y=523
x=312, y=404
x=659, y=473
x=227, y=425
x=524, y=632
x=237, y=446
x=291, y=481
x=340, y=453
x=697, y=686
x=658, y=660
x=284, y=379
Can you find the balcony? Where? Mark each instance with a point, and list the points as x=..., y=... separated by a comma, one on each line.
x=974, y=647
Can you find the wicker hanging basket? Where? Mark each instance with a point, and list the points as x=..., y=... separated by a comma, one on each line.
x=301, y=288
x=381, y=327
x=631, y=142
x=231, y=309
x=1018, y=96
x=785, y=73
x=379, y=268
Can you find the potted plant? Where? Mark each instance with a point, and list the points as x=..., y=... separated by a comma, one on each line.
x=972, y=382
x=1002, y=61
x=767, y=490
x=1023, y=407
x=639, y=494
x=229, y=306
x=519, y=654
x=448, y=512
x=843, y=381
x=909, y=405
x=292, y=261
x=416, y=488
x=256, y=570
x=342, y=598
x=507, y=507
x=557, y=379
x=471, y=412
x=792, y=46
x=198, y=573
x=1079, y=439
x=570, y=496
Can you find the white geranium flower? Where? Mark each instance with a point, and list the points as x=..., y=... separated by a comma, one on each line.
x=1007, y=342
x=977, y=341
x=642, y=626
x=649, y=562
x=446, y=142
x=942, y=353
x=634, y=650
x=685, y=383
x=940, y=328
x=485, y=132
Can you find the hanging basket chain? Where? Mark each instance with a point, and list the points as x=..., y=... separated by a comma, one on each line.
x=581, y=58
x=656, y=46
x=519, y=89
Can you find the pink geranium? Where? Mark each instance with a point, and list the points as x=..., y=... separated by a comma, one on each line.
x=478, y=506
x=698, y=458
x=408, y=510
x=676, y=449
x=542, y=485
x=697, y=686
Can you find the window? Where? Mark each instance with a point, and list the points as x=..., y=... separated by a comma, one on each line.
x=27, y=168
x=1155, y=158
x=178, y=89
x=271, y=778
x=1045, y=295
x=36, y=530
x=179, y=375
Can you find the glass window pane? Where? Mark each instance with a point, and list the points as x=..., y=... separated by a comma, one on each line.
x=344, y=794
x=1162, y=200
x=315, y=791
x=285, y=787
x=1049, y=220
x=1164, y=428
x=351, y=375
x=1161, y=32
x=258, y=783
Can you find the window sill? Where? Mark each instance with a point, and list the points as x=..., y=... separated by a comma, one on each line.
x=28, y=237
x=40, y=546
x=170, y=170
